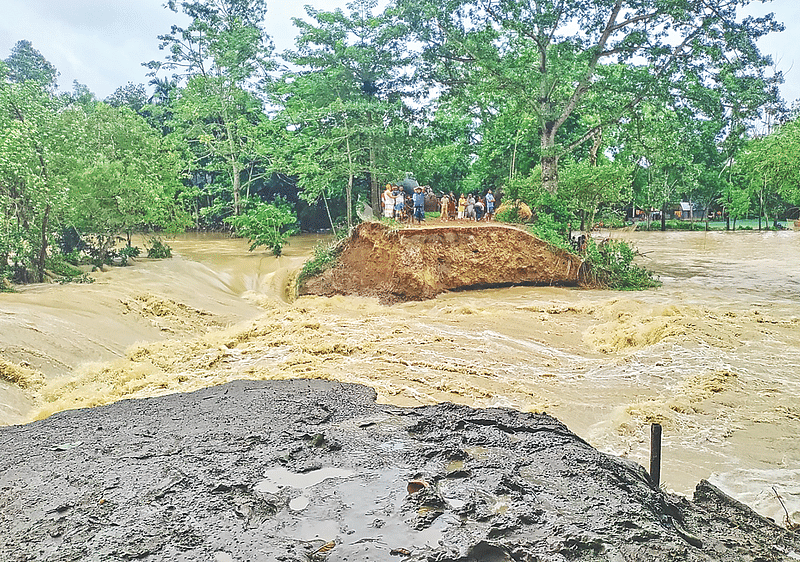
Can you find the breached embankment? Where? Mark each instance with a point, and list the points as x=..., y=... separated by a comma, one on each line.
x=315, y=470
x=419, y=263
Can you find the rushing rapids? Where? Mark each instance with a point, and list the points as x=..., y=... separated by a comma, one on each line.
x=713, y=355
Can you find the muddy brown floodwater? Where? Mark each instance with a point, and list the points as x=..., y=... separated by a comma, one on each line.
x=713, y=355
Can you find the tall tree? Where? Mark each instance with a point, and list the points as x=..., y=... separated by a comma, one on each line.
x=128, y=181
x=771, y=168
x=130, y=95
x=225, y=55
x=345, y=99
x=552, y=54
x=35, y=153
x=26, y=63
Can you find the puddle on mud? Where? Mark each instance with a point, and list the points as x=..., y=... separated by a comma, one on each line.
x=277, y=478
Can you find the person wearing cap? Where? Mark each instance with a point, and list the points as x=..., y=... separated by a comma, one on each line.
x=489, y=205
x=419, y=204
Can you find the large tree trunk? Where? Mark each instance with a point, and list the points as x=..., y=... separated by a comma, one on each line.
x=350, y=176
x=237, y=187
x=549, y=159
x=43, y=249
x=374, y=190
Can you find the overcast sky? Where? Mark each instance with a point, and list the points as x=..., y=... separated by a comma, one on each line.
x=102, y=43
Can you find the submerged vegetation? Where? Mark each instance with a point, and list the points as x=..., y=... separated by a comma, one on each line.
x=585, y=112
x=610, y=264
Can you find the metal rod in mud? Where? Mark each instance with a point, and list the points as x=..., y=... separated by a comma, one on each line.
x=655, y=454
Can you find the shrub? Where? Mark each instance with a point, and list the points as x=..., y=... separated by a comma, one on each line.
x=59, y=267
x=6, y=286
x=157, y=249
x=551, y=231
x=509, y=214
x=325, y=256
x=610, y=265
x=265, y=224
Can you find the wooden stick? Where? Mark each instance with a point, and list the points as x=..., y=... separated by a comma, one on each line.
x=655, y=454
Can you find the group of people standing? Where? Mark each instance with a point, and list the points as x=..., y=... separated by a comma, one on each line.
x=397, y=204
x=468, y=206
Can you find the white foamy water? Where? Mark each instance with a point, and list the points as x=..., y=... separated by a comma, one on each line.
x=713, y=355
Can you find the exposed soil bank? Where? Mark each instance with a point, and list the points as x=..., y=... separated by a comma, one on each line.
x=285, y=469
x=419, y=263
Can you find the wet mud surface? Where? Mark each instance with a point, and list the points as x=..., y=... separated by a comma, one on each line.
x=309, y=470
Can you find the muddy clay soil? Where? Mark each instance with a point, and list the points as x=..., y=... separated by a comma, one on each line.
x=420, y=263
x=315, y=470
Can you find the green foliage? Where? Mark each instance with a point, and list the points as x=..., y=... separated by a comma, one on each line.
x=610, y=265
x=587, y=187
x=548, y=229
x=127, y=252
x=27, y=64
x=344, y=119
x=557, y=72
x=265, y=224
x=509, y=214
x=157, y=249
x=325, y=256
x=223, y=52
x=132, y=96
x=59, y=267
x=770, y=171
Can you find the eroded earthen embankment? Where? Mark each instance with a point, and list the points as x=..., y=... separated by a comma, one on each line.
x=419, y=263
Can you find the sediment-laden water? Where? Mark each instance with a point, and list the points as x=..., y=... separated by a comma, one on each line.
x=713, y=355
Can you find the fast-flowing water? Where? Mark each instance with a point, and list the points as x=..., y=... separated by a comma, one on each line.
x=713, y=355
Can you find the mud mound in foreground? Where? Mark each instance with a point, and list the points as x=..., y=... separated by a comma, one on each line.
x=292, y=468
x=420, y=263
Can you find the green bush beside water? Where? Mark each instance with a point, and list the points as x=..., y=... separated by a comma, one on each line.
x=325, y=256
x=610, y=266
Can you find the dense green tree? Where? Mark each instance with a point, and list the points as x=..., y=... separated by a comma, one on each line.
x=598, y=57
x=224, y=53
x=26, y=63
x=37, y=151
x=586, y=186
x=69, y=161
x=130, y=95
x=344, y=103
x=129, y=181
x=770, y=167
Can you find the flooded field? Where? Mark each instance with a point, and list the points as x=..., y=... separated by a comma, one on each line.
x=713, y=355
